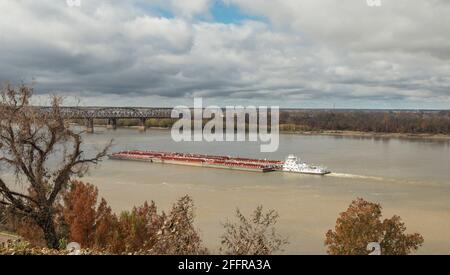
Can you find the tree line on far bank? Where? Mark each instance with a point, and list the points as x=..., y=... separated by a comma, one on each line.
x=51, y=207
x=401, y=122
x=405, y=122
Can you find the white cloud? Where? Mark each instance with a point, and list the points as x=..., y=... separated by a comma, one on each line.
x=189, y=8
x=160, y=33
x=310, y=52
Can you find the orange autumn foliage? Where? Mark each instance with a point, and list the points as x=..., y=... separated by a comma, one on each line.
x=89, y=224
x=26, y=228
x=136, y=230
x=361, y=224
x=141, y=230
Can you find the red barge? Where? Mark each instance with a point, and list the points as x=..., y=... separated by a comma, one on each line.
x=210, y=161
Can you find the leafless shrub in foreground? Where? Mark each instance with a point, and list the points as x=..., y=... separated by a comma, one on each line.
x=255, y=235
x=178, y=235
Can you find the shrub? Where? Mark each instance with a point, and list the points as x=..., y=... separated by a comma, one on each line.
x=136, y=230
x=177, y=235
x=252, y=236
x=141, y=230
x=361, y=224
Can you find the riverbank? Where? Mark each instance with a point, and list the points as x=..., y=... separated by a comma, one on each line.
x=370, y=134
x=330, y=133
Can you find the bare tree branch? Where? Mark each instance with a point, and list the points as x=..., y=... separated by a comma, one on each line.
x=29, y=138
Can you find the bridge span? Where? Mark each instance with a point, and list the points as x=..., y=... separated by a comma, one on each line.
x=112, y=114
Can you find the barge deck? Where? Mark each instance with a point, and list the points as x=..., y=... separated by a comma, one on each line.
x=200, y=160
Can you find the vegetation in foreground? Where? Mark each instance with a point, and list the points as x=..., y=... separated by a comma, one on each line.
x=252, y=236
x=142, y=230
x=43, y=153
x=361, y=224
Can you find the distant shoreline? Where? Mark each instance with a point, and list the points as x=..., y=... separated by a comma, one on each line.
x=331, y=133
x=369, y=134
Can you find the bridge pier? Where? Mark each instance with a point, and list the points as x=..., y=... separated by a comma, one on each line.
x=112, y=123
x=142, y=127
x=89, y=125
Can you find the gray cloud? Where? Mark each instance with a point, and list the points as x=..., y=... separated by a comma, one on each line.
x=307, y=53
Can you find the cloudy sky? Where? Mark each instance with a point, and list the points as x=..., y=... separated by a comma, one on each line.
x=292, y=53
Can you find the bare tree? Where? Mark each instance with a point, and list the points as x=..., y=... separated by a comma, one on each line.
x=252, y=236
x=42, y=153
x=177, y=234
x=2, y=216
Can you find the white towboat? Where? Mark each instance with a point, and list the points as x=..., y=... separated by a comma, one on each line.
x=295, y=165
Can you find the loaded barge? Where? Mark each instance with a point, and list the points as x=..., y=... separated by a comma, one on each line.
x=210, y=161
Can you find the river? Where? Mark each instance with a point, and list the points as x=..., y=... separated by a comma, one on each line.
x=409, y=177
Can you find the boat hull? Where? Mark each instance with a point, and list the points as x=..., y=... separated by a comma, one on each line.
x=194, y=164
x=308, y=173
